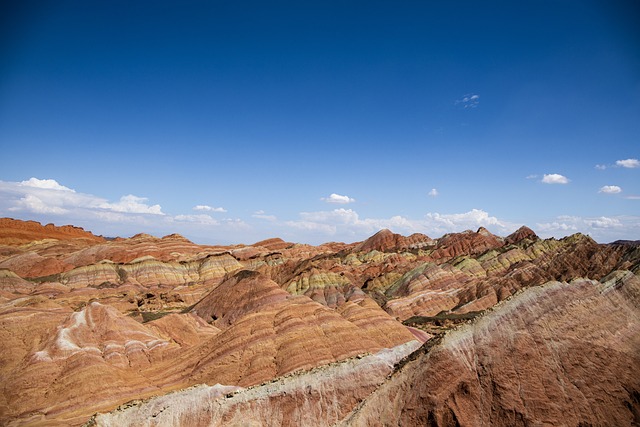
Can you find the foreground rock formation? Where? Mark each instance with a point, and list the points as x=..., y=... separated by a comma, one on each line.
x=516, y=330
x=559, y=354
x=536, y=359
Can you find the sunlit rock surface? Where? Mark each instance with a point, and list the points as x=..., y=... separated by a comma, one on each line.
x=559, y=354
x=88, y=324
x=321, y=396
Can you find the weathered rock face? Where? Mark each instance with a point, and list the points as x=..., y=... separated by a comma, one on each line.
x=560, y=354
x=87, y=325
x=466, y=243
x=16, y=232
x=321, y=396
x=268, y=332
x=519, y=235
x=387, y=241
x=476, y=282
x=533, y=360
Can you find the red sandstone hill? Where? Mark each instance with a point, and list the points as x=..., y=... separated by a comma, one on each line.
x=387, y=241
x=17, y=232
x=516, y=331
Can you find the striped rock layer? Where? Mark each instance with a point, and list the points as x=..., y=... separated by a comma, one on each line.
x=88, y=324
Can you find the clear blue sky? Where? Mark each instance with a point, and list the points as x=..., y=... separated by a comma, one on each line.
x=230, y=122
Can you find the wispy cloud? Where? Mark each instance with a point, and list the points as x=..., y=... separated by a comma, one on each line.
x=601, y=167
x=208, y=208
x=433, y=193
x=263, y=215
x=470, y=100
x=132, y=204
x=602, y=228
x=47, y=196
x=532, y=176
x=339, y=199
x=198, y=219
x=610, y=189
x=51, y=201
x=628, y=163
x=472, y=219
x=48, y=200
x=35, y=204
x=555, y=178
x=347, y=222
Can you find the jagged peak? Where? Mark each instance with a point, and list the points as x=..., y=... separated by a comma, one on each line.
x=176, y=236
x=142, y=236
x=578, y=237
x=386, y=240
x=521, y=234
x=485, y=232
x=381, y=241
x=273, y=244
x=384, y=232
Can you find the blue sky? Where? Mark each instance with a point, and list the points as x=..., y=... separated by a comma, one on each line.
x=230, y=122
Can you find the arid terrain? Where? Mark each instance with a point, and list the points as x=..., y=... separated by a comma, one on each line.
x=464, y=329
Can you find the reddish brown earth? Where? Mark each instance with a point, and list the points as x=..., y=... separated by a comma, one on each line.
x=16, y=232
x=539, y=358
x=89, y=324
x=559, y=354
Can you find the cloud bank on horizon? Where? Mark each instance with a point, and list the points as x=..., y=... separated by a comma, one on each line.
x=50, y=201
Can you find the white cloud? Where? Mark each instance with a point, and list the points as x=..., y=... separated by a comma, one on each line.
x=50, y=184
x=556, y=226
x=198, y=219
x=603, y=222
x=47, y=196
x=602, y=229
x=208, y=208
x=52, y=202
x=473, y=219
x=469, y=101
x=46, y=200
x=312, y=226
x=132, y=204
x=35, y=204
x=633, y=197
x=610, y=189
x=629, y=163
x=337, y=198
x=347, y=224
x=533, y=176
x=340, y=216
x=601, y=167
x=44, y=196
x=433, y=192
x=554, y=178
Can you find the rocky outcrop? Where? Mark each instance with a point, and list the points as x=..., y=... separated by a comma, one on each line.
x=17, y=232
x=559, y=354
x=321, y=396
x=267, y=332
x=534, y=359
x=465, y=243
x=273, y=244
x=521, y=234
x=387, y=241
